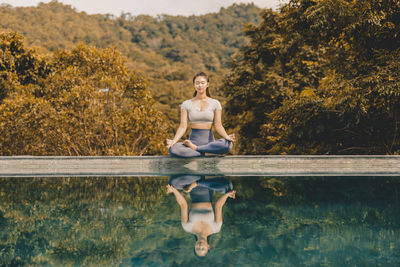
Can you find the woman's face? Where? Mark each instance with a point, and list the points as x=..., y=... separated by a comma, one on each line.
x=201, y=247
x=200, y=84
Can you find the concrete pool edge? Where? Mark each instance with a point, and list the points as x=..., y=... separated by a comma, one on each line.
x=248, y=165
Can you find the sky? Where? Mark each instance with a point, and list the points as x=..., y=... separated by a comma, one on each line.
x=149, y=7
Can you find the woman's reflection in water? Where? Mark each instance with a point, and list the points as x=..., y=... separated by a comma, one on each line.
x=201, y=220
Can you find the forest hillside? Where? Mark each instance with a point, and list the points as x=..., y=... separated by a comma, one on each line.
x=166, y=50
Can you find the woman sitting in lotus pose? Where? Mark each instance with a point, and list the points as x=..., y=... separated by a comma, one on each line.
x=202, y=111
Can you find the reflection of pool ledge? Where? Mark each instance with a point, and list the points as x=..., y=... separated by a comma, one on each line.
x=228, y=165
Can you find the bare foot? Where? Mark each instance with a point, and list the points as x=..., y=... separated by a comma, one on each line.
x=189, y=144
x=189, y=188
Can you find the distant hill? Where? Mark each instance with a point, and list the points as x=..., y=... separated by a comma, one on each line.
x=166, y=50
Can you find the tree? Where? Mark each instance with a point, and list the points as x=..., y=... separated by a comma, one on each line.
x=319, y=77
x=19, y=66
x=88, y=104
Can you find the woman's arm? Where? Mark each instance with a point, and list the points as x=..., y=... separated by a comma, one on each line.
x=219, y=128
x=220, y=203
x=181, y=201
x=181, y=129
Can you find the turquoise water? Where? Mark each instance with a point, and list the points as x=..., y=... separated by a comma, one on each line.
x=130, y=221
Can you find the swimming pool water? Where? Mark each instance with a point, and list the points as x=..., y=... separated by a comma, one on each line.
x=130, y=221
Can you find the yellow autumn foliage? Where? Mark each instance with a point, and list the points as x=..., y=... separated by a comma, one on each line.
x=85, y=102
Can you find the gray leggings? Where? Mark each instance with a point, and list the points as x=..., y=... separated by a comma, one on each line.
x=204, y=140
x=204, y=191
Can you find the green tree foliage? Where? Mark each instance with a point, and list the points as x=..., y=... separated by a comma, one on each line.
x=319, y=77
x=204, y=42
x=87, y=103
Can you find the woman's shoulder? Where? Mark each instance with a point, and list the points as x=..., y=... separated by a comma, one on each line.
x=185, y=104
x=214, y=100
x=216, y=104
x=187, y=226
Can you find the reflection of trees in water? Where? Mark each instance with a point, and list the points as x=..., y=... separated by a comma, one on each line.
x=337, y=220
x=73, y=220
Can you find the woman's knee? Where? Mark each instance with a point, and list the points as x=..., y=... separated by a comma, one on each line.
x=171, y=151
x=181, y=151
x=230, y=145
x=227, y=146
x=174, y=150
x=174, y=180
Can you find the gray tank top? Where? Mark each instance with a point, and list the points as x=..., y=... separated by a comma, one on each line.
x=203, y=116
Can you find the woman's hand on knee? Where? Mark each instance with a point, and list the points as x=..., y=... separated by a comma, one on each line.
x=170, y=142
x=231, y=137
